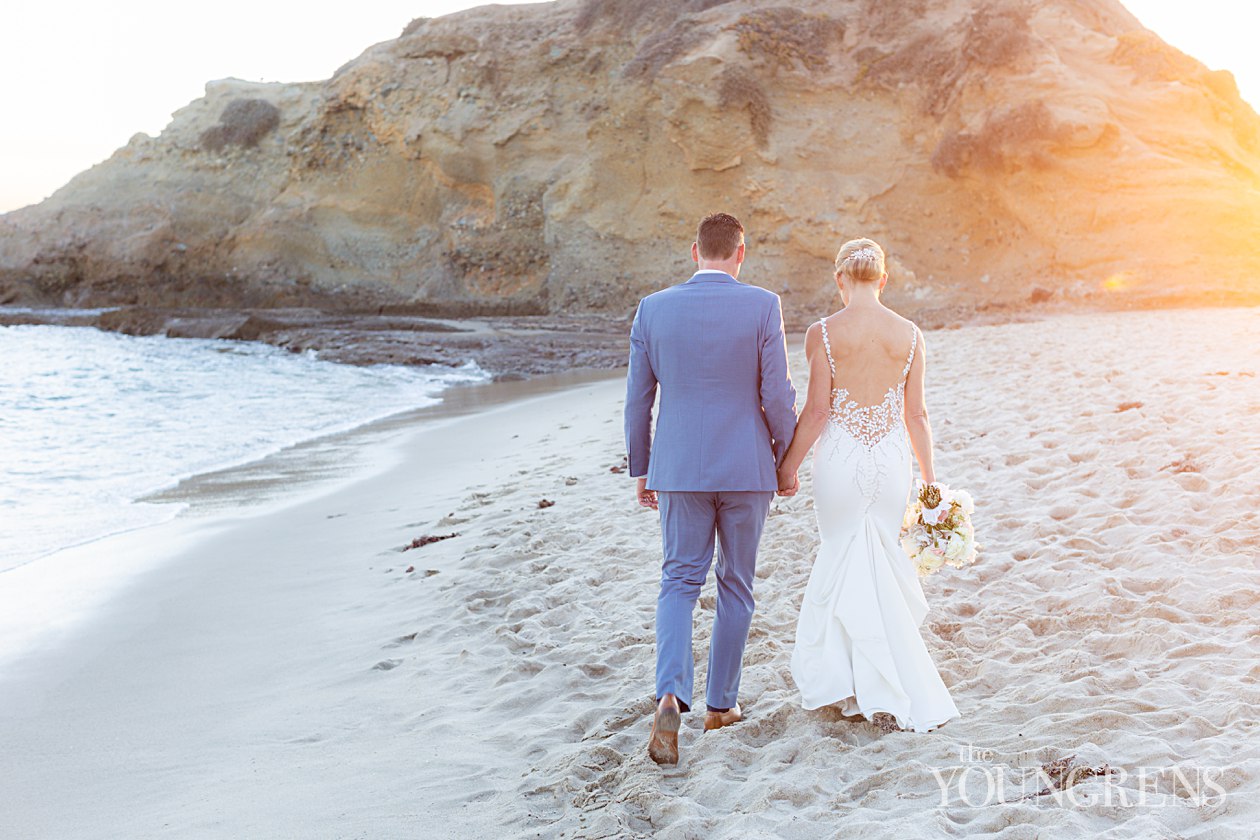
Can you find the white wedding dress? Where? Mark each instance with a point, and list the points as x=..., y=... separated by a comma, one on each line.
x=857, y=639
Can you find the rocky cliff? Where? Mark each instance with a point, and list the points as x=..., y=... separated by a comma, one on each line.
x=554, y=158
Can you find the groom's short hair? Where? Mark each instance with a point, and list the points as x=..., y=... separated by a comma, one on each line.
x=718, y=236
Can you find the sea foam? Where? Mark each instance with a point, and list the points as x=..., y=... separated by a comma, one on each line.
x=90, y=421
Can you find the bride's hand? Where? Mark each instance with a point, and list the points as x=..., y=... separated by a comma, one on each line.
x=789, y=483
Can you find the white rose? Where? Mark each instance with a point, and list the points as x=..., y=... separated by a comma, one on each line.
x=969, y=554
x=964, y=499
x=929, y=561
x=957, y=548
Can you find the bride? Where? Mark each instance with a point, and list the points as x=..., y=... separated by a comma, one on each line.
x=857, y=638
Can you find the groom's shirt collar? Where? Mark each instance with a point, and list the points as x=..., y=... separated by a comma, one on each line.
x=711, y=274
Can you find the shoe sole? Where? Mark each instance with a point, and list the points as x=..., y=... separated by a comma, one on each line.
x=662, y=751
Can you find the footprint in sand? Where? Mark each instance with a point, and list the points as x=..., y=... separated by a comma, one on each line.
x=594, y=669
x=308, y=739
x=1192, y=482
x=387, y=665
x=400, y=641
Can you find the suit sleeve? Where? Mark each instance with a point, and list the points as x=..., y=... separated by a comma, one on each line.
x=640, y=397
x=778, y=394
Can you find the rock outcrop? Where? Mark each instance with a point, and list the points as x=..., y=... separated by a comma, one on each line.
x=555, y=157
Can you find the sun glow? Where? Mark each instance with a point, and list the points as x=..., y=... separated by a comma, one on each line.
x=1221, y=34
x=1118, y=282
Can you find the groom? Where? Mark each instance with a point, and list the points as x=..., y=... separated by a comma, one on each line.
x=716, y=349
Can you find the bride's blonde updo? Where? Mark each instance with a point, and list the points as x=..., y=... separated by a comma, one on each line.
x=861, y=260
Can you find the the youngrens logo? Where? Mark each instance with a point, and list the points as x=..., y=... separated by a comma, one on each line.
x=981, y=779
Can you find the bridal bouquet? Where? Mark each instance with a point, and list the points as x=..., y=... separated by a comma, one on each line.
x=937, y=528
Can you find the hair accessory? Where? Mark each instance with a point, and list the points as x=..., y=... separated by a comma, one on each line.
x=865, y=252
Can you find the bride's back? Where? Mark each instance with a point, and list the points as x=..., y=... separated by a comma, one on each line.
x=869, y=348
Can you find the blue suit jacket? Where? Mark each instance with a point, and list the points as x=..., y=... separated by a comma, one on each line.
x=716, y=349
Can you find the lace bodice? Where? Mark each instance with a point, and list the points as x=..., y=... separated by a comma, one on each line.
x=868, y=424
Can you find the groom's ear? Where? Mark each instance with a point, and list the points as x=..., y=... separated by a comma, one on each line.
x=695, y=252
x=739, y=253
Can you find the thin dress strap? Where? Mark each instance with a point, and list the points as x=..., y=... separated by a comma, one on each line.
x=914, y=340
x=827, y=346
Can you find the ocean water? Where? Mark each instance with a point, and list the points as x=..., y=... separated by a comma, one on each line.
x=91, y=420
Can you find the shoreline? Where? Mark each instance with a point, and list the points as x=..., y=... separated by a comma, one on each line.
x=37, y=592
x=329, y=457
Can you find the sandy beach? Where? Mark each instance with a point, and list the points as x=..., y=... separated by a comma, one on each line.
x=274, y=665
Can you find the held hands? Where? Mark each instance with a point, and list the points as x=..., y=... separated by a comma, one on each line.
x=789, y=482
x=647, y=498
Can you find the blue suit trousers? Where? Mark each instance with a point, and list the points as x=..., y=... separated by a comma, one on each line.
x=691, y=522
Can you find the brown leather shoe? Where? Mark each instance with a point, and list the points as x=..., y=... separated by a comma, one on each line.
x=663, y=742
x=716, y=720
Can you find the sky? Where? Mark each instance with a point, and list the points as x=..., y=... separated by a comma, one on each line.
x=80, y=78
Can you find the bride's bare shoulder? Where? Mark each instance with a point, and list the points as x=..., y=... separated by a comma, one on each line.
x=813, y=333
x=827, y=324
x=906, y=324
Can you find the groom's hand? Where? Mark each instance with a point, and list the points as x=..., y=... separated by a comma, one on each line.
x=647, y=498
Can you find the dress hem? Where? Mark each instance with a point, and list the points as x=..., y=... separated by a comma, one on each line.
x=868, y=714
